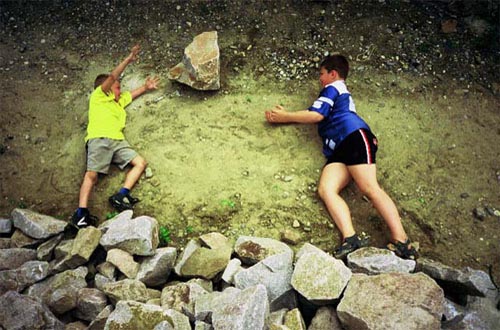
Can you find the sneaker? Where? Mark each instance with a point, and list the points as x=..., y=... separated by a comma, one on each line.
x=121, y=202
x=85, y=220
x=403, y=249
x=349, y=245
x=132, y=200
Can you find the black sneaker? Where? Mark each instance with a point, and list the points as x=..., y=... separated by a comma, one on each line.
x=132, y=200
x=84, y=220
x=349, y=245
x=121, y=202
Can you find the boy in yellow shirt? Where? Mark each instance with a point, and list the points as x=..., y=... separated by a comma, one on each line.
x=105, y=142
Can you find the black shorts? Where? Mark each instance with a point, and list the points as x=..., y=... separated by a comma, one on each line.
x=359, y=147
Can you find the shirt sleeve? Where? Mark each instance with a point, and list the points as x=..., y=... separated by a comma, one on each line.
x=325, y=101
x=125, y=99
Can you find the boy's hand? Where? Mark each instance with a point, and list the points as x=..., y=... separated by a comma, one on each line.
x=133, y=53
x=151, y=83
x=277, y=115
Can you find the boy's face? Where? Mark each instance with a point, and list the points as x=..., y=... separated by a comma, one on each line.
x=115, y=88
x=327, y=77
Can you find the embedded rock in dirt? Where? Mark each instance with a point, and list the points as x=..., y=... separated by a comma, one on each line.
x=200, y=65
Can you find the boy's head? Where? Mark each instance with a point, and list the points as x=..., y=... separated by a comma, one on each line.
x=100, y=79
x=338, y=63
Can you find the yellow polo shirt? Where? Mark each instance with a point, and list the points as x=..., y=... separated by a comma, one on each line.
x=106, y=117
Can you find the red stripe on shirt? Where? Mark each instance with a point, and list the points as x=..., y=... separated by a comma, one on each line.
x=367, y=145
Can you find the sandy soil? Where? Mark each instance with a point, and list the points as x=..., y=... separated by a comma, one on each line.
x=216, y=164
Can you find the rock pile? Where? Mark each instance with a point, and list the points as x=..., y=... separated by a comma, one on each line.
x=117, y=277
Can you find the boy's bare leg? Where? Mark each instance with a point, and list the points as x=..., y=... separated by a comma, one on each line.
x=89, y=180
x=138, y=166
x=334, y=178
x=365, y=176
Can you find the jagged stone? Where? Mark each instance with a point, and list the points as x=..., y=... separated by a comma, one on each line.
x=90, y=303
x=294, y=320
x=199, y=261
x=4, y=243
x=18, y=279
x=274, y=272
x=5, y=226
x=467, y=281
x=277, y=317
x=251, y=250
x=100, y=321
x=124, y=262
x=290, y=236
x=154, y=271
x=63, y=249
x=319, y=277
x=200, y=325
x=120, y=218
x=84, y=244
x=60, y=292
x=479, y=314
x=130, y=315
x=19, y=311
x=232, y=268
x=127, y=290
x=325, y=318
x=45, y=250
x=37, y=225
x=107, y=269
x=138, y=236
x=182, y=297
x=391, y=301
x=21, y=240
x=200, y=66
x=210, y=302
x=15, y=258
x=372, y=260
x=249, y=310
x=100, y=281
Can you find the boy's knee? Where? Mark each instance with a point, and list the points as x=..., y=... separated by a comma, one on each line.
x=91, y=176
x=141, y=163
x=323, y=191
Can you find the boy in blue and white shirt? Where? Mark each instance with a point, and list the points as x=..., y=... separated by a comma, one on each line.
x=350, y=148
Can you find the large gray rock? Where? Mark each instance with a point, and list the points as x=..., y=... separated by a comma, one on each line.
x=129, y=290
x=90, y=303
x=371, y=260
x=467, y=281
x=479, y=314
x=251, y=250
x=37, y=225
x=15, y=258
x=200, y=259
x=391, y=301
x=18, y=279
x=182, y=297
x=207, y=304
x=5, y=226
x=154, y=271
x=45, y=250
x=319, y=277
x=60, y=292
x=76, y=252
x=200, y=66
x=100, y=321
x=138, y=236
x=249, y=310
x=274, y=272
x=123, y=261
x=18, y=311
x=134, y=315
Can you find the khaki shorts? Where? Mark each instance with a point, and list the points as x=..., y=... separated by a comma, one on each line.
x=102, y=152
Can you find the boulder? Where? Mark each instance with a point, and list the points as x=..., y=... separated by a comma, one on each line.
x=154, y=270
x=251, y=250
x=392, y=301
x=15, y=258
x=371, y=260
x=200, y=66
x=60, y=292
x=138, y=236
x=19, y=311
x=204, y=261
x=319, y=277
x=274, y=272
x=37, y=225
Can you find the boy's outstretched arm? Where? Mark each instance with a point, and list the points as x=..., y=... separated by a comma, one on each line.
x=115, y=74
x=149, y=84
x=278, y=115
